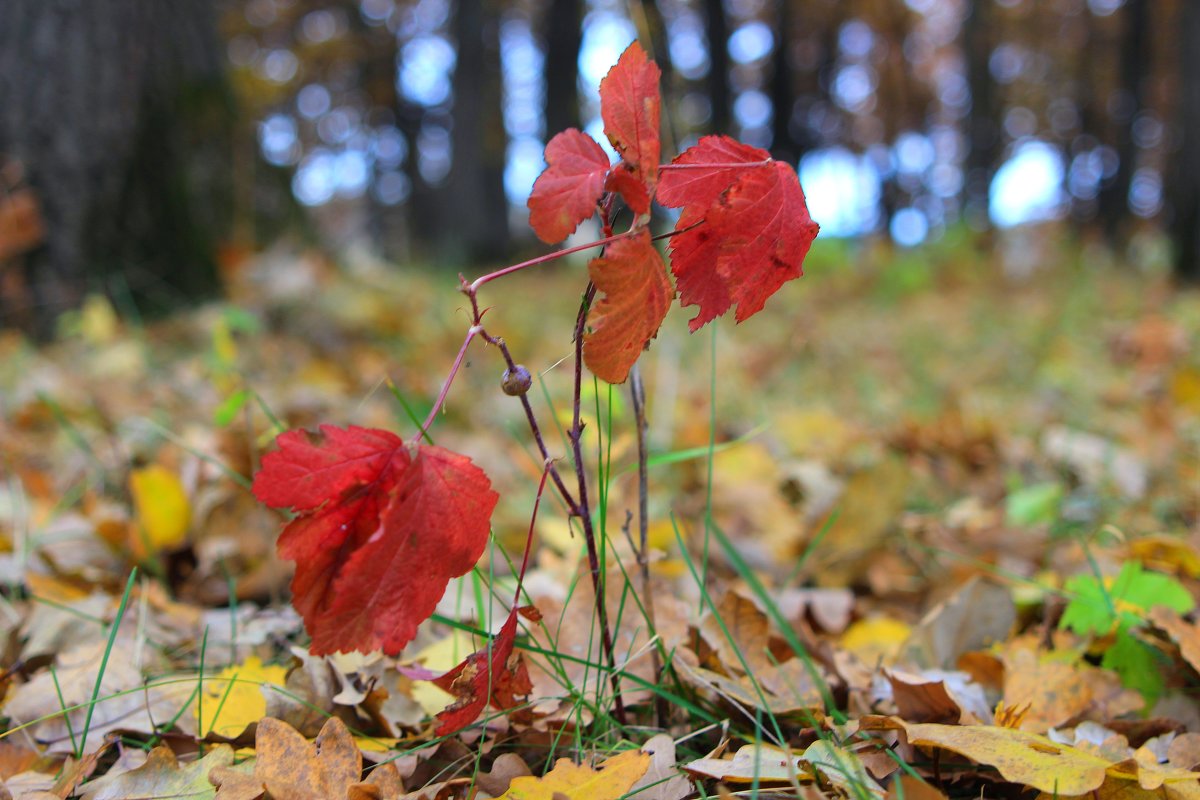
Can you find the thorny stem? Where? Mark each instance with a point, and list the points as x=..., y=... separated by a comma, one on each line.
x=585, y=517
x=637, y=391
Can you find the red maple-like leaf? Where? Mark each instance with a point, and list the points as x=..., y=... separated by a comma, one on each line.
x=493, y=675
x=630, y=107
x=637, y=295
x=751, y=241
x=381, y=528
x=566, y=192
x=705, y=171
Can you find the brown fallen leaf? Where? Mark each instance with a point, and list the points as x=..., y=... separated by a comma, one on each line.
x=762, y=763
x=162, y=776
x=287, y=765
x=662, y=780
x=504, y=769
x=612, y=780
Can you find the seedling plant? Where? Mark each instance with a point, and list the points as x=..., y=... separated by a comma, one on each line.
x=382, y=524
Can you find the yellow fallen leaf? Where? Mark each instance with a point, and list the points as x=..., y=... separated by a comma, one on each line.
x=615, y=777
x=762, y=764
x=234, y=698
x=1019, y=756
x=875, y=638
x=162, y=508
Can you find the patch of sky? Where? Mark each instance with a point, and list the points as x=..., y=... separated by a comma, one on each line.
x=842, y=190
x=1028, y=186
x=751, y=42
x=426, y=65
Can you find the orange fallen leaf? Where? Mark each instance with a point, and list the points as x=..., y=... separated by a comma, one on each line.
x=613, y=779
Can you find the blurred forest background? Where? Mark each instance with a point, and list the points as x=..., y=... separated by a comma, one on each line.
x=147, y=145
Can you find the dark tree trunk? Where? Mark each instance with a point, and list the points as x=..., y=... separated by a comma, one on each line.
x=1184, y=172
x=1114, y=194
x=783, y=95
x=716, y=27
x=983, y=122
x=562, y=32
x=476, y=221
x=119, y=112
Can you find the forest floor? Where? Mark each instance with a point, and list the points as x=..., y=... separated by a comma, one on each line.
x=930, y=523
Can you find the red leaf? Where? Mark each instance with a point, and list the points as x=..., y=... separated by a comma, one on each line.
x=637, y=294
x=750, y=242
x=630, y=187
x=381, y=529
x=697, y=186
x=566, y=192
x=491, y=675
x=630, y=107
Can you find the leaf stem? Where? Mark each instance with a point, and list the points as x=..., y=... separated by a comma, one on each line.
x=500, y=273
x=474, y=330
x=718, y=165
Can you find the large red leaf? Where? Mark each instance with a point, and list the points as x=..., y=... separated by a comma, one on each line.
x=696, y=184
x=381, y=529
x=493, y=675
x=750, y=242
x=630, y=108
x=566, y=192
x=637, y=294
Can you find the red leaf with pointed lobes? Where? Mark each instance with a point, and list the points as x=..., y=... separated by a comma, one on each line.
x=630, y=187
x=699, y=186
x=637, y=295
x=380, y=530
x=750, y=242
x=630, y=107
x=492, y=676
x=566, y=192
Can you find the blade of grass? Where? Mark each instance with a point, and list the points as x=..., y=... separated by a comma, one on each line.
x=112, y=638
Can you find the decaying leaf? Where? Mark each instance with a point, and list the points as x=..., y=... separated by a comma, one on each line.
x=162, y=776
x=493, y=675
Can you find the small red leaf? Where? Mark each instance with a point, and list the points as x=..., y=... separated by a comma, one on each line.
x=630, y=187
x=751, y=241
x=637, y=295
x=492, y=676
x=630, y=107
x=566, y=192
x=381, y=529
x=700, y=186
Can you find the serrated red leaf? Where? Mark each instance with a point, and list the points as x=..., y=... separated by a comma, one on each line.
x=630, y=107
x=751, y=241
x=566, y=192
x=493, y=675
x=630, y=187
x=698, y=185
x=637, y=295
x=380, y=530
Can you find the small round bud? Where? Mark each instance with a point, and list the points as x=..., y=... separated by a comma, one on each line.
x=516, y=381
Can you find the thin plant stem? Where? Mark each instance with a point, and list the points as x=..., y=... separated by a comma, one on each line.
x=441, y=398
x=637, y=392
x=533, y=262
x=585, y=516
x=717, y=165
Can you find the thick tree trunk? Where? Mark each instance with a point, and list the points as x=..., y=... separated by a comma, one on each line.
x=562, y=32
x=119, y=113
x=476, y=224
x=1184, y=172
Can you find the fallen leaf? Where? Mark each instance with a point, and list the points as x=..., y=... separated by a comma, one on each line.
x=612, y=780
x=842, y=769
x=162, y=776
x=753, y=763
x=162, y=508
x=493, y=675
x=287, y=766
x=233, y=698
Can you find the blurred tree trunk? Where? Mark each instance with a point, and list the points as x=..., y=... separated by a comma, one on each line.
x=783, y=94
x=716, y=28
x=1184, y=170
x=562, y=32
x=1113, y=199
x=120, y=114
x=983, y=121
x=475, y=226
